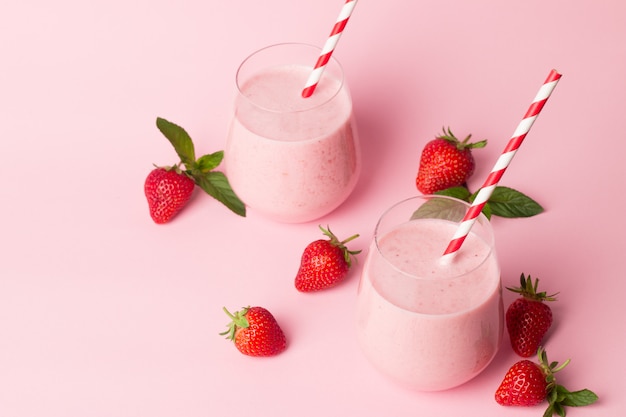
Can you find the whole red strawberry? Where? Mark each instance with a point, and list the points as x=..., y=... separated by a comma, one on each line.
x=528, y=318
x=524, y=384
x=324, y=263
x=255, y=332
x=168, y=190
x=446, y=162
x=528, y=383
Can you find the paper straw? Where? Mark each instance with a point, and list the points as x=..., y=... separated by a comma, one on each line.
x=502, y=163
x=328, y=48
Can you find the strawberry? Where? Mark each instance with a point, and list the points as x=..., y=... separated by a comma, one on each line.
x=324, y=263
x=524, y=384
x=528, y=318
x=255, y=332
x=528, y=383
x=168, y=190
x=446, y=162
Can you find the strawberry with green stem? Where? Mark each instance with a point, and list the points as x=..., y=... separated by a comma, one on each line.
x=324, y=263
x=201, y=170
x=528, y=318
x=255, y=332
x=527, y=383
x=446, y=162
x=167, y=190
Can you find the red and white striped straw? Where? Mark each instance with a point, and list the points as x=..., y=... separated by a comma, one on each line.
x=502, y=163
x=328, y=48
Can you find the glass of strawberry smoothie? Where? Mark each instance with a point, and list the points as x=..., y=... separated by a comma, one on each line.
x=290, y=158
x=427, y=323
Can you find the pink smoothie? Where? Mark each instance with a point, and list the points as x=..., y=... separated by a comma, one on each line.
x=437, y=331
x=290, y=158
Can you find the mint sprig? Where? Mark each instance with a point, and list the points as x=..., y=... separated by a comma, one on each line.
x=201, y=170
x=558, y=396
x=510, y=203
x=503, y=202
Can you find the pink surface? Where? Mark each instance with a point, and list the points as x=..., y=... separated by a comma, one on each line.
x=103, y=313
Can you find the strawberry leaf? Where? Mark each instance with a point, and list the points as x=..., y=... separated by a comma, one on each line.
x=209, y=162
x=180, y=140
x=216, y=185
x=510, y=203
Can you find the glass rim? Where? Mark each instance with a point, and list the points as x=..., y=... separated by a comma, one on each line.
x=481, y=217
x=247, y=59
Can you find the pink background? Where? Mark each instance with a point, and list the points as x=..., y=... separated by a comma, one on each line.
x=104, y=313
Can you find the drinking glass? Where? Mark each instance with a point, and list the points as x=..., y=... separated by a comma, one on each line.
x=290, y=158
x=427, y=322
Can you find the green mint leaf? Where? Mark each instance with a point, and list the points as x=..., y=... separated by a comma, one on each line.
x=461, y=193
x=549, y=411
x=209, y=162
x=216, y=185
x=440, y=208
x=559, y=393
x=579, y=398
x=510, y=203
x=558, y=409
x=180, y=140
x=486, y=208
